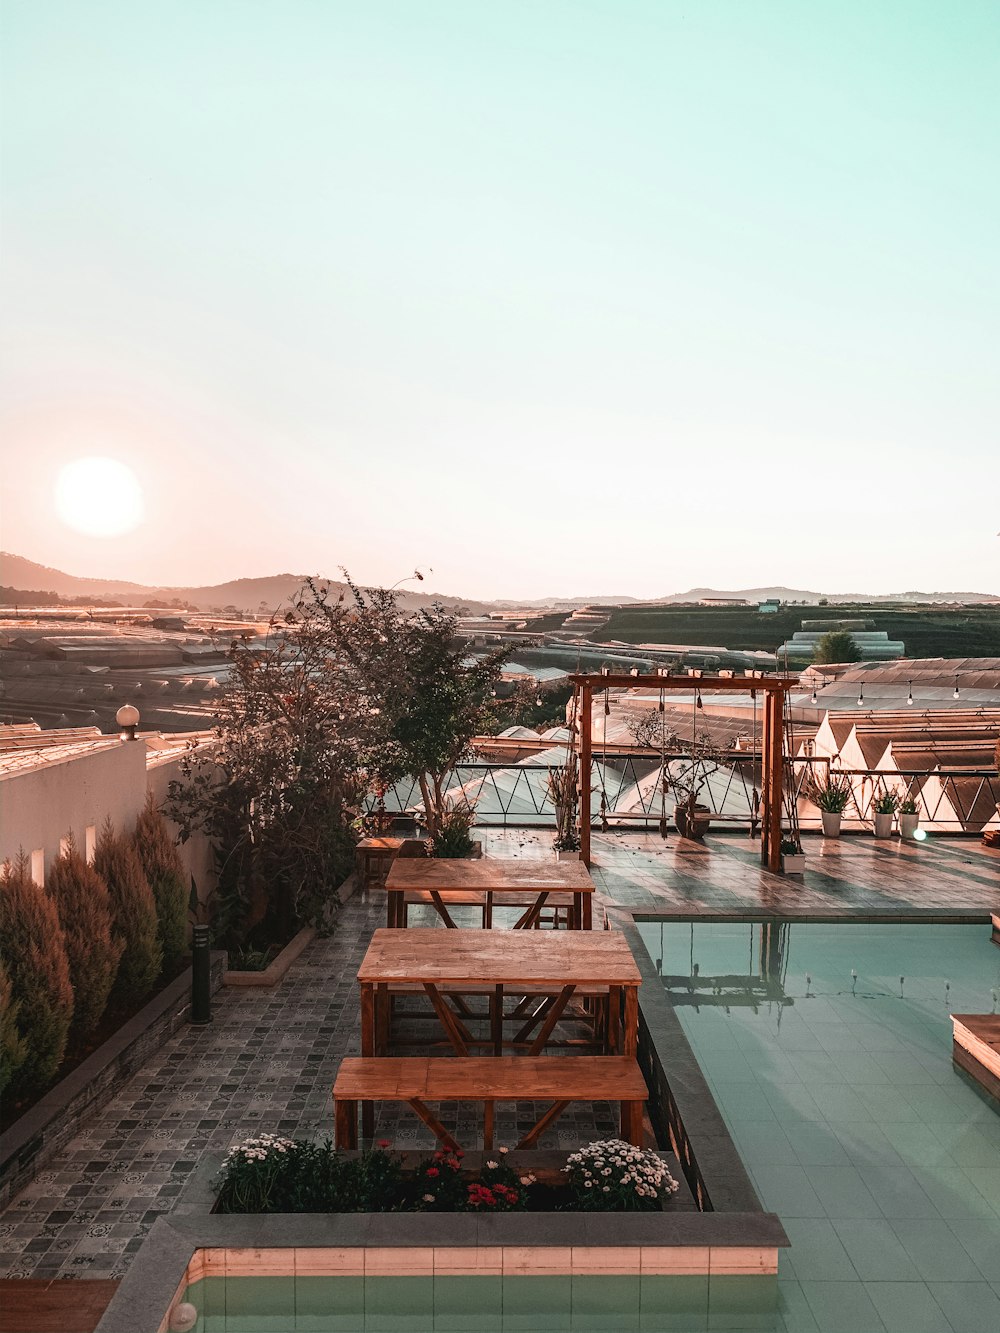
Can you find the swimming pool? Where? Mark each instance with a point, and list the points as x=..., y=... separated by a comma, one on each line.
x=828, y=1051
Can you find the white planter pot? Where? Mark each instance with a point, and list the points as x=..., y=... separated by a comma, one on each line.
x=831, y=823
x=883, y=826
x=908, y=825
x=568, y=856
x=793, y=864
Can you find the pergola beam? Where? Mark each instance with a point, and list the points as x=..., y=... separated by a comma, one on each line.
x=774, y=689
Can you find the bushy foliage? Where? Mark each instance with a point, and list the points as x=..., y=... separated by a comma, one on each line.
x=453, y=839
x=440, y=1186
x=164, y=870
x=35, y=958
x=837, y=646
x=133, y=915
x=834, y=795
x=13, y=1047
x=84, y=907
x=613, y=1174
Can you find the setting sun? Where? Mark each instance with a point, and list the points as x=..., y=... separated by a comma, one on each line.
x=99, y=497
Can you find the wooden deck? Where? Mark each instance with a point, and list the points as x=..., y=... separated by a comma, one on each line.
x=57, y=1306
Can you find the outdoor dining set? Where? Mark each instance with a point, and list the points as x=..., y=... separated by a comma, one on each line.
x=516, y=1013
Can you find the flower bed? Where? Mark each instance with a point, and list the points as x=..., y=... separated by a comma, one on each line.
x=271, y=1174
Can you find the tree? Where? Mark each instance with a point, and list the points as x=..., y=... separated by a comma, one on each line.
x=38, y=969
x=837, y=646
x=162, y=866
x=133, y=912
x=428, y=699
x=279, y=791
x=83, y=904
x=13, y=1046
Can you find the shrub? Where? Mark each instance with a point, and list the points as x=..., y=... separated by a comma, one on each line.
x=161, y=863
x=13, y=1047
x=833, y=796
x=84, y=906
x=133, y=916
x=887, y=803
x=612, y=1174
x=271, y=1174
x=452, y=840
x=38, y=970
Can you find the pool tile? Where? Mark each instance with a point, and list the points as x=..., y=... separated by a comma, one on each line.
x=398, y=1304
x=935, y=1250
x=815, y=1144
x=970, y=1307
x=793, y=1309
x=842, y=1191
x=816, y=1251
x=537, y=1304
x=876, y=1251
x=673, y=1303
x=606, y=1303
x=954, y=1192
x=787, y=1190
x=980, y=1237
x=468, y=1304
x=329, y=1304
x=897, y=1193
x=260, y=1304
x=742, y=1302
x=842, y=1307
x=907, y=1307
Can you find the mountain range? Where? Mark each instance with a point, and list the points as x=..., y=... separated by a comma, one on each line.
x=18, y=573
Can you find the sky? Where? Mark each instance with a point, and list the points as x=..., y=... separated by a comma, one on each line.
x=584, y=298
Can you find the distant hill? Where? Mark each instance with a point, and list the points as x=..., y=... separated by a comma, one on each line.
x=803, y=595
x=245, y=594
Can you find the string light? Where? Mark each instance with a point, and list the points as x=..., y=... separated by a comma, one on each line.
x=955, y=695
x=861, y=695
x=812, y=697
x=909, y=692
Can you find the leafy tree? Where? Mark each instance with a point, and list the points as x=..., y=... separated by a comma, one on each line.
x=837, y=646
x=83, y=904
x=164, y=870
x=34, y=955
x=133, y=911
x=281, y=787
x=427, y=698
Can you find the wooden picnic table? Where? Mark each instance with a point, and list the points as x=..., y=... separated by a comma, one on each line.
x=545, y=966
x=375, y=851
x=490, y=882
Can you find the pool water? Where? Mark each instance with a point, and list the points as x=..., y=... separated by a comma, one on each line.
x=828, y=1050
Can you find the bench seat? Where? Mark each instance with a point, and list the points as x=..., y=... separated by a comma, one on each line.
x=489, y=1079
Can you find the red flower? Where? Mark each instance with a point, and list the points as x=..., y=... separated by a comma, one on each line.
x=385, y=1143
x=433, y=1171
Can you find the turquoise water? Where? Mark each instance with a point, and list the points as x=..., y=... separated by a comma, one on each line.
x=839, y=1091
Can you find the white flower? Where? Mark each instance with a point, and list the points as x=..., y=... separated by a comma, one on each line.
x=493, y=1166
x=428, y=1198
x=503, y=1150
x=588, y=1184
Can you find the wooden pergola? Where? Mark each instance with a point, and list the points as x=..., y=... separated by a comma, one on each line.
x=773, y=688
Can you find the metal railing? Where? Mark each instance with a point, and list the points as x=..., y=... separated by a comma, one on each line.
x=629, y=793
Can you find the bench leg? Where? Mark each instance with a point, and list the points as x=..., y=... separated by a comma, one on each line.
x=533, y=1135
x=433, y=1124
x=631, y=1117
x=368, y=1120
x=488, y=1108
x=345, y=1120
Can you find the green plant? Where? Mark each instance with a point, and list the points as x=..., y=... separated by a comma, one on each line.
x=613, y=1175
x=249, y=959
x=908, y=806
x=452, y=840
x=13, y=1047
x=84, y=907
x=789, y=847
x=833, y=796
x=133, y=911
x=273, y=1174
x=163, y=868
x=837, y=646
x=887, y=803
x=38, y=969
x=439, y=1185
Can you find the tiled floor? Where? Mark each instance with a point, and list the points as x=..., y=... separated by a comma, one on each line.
x=269, y=1058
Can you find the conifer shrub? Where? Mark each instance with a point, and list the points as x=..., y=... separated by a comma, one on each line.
x=164, y=870
x=83, y=903
x=13, y=1047
x=133, y=916
x=34, y=955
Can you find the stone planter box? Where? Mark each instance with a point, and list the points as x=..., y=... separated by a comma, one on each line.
x=793, y=864
x=908, y=825
x=568, y=856
x=276, y=969
x=883, y=825
x=831, y=823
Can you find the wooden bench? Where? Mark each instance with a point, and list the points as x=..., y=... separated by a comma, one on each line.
x=489, y=1079
x=557, y=911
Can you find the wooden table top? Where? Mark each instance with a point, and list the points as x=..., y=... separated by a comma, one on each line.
x=382, y=844
x=500, y=957
x=493, y=873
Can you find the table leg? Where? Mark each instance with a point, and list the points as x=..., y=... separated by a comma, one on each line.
x=367, y=1049
x=442, y=911
x=614, y=1020
x=346, y=1124
x=588, y=910
x=382, y=1019
x=528, y=919
x=631, y=1021
x=496, y=1020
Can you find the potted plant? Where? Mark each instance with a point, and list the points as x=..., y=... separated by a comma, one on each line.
x=564, y=793
x=688, y=778
x=884, y=808
x=909, y=817
x=832, y=797
x=793, y=860
x=453, y=842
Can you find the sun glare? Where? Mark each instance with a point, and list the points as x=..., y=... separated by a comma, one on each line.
x=99, y=497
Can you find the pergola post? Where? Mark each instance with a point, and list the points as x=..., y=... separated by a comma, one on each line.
x=585, y=724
